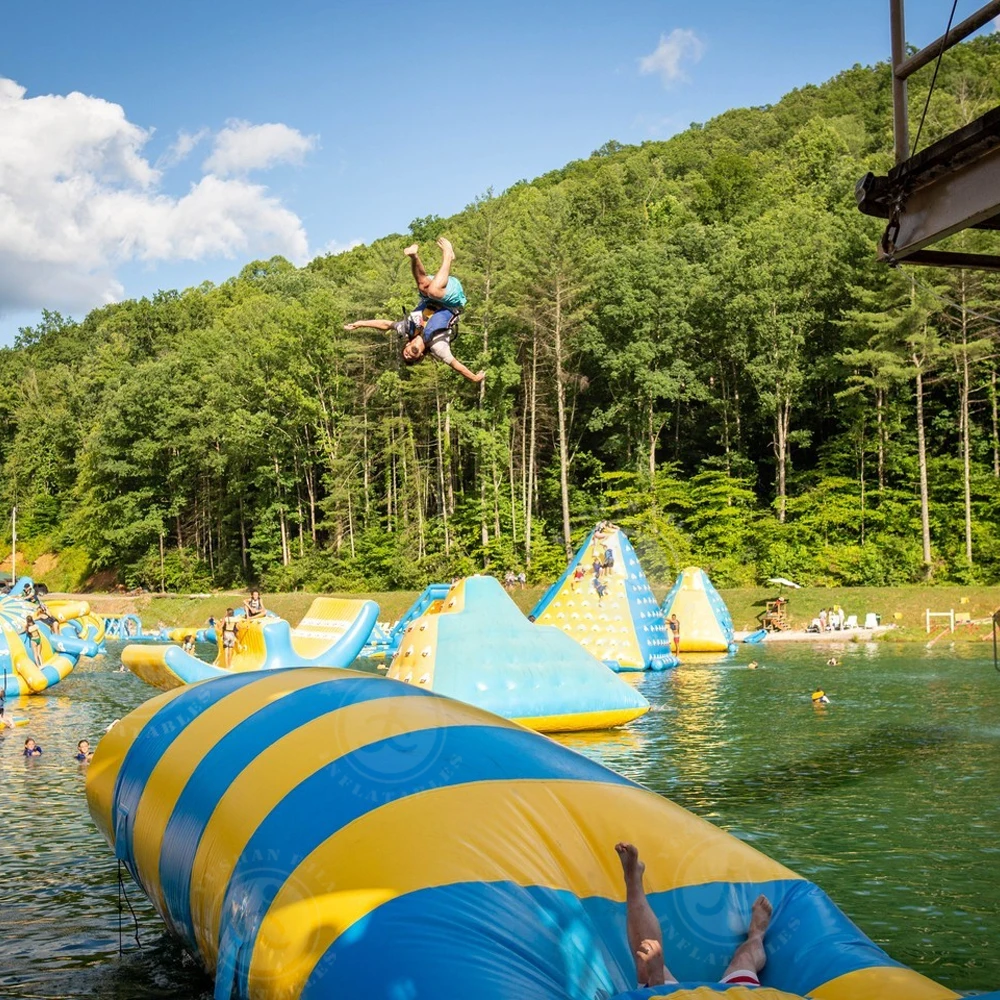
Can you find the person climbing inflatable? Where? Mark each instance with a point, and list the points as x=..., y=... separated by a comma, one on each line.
x=430, y=327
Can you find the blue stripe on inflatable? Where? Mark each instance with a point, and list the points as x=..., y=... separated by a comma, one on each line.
x=537, y=943
x=51, y=675
x=147, y=748
x=228, y=758
x=378, y=774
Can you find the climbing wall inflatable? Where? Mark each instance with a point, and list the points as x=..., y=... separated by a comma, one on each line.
x=320, y=834
x=705, y=623
x=476, y=646
x=610, y=610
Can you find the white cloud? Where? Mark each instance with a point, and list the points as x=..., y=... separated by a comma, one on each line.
x=78, y=199
x=681, y=45
x=335, y=247
x=241, y=147
x=180, y=149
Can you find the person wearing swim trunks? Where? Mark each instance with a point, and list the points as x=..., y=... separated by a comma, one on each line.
x=645, y=937
x=230, y=624
x=675, y=633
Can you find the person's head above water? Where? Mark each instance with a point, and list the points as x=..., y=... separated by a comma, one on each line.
x=29, y=744
x=83, y=746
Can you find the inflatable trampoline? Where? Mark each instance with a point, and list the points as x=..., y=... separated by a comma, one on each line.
x=323, y=834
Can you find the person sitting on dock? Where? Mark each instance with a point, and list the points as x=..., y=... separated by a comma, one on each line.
x=253, y=606
x=645, y=936
x=230, y=625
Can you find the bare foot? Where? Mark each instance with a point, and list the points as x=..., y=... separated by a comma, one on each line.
x=446, y=248
x=760, y=917
x=411, y=250
x=633, y=868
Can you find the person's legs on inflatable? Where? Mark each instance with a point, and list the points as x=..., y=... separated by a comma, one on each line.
x=749, y=958
x=645, y=937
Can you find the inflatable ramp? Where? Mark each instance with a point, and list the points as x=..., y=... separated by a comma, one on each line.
x=610, y=610
x=476, y=646
x=331, y=635
x=705, y=623
x=322, y=835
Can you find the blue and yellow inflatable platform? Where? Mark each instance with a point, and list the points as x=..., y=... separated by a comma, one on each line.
x=475, y=645
x=706, y=625
x=319, y=834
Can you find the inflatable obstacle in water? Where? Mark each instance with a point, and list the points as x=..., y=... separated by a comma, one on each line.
x=476, y=646
x=59, y=652
x=384, y=644
x=331, y=635
x=705, y=623
x=609, y=610
x=325, y=834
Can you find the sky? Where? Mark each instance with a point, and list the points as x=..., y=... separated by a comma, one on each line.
x=149, y=146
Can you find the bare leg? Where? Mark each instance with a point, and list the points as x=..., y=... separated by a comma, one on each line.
x=750, y=956
x=645, y=938
x=436, y=286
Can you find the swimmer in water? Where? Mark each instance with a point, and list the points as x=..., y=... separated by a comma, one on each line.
x=752, y=665
x=819, y=697
x=833, y=662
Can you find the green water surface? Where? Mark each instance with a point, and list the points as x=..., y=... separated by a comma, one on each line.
x=889, y=798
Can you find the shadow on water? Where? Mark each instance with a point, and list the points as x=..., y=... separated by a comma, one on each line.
x=881, y=751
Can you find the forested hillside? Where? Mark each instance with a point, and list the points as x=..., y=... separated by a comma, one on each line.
x=691, y=337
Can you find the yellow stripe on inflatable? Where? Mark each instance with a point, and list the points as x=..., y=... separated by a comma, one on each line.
x=109, y=756
x=326, y=621
x=172, y=772
x=494, y=845
x=882, y=981
x=284, y=765
x=582, y=721
x=148, y=664
x=733, y=993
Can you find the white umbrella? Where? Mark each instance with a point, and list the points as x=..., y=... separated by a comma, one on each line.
x=782, y=582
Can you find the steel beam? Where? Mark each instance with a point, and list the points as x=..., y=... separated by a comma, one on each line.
x=949, y=203
x=903, y=68
x=900, y=109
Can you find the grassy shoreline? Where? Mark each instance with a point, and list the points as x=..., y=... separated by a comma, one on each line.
x=902, y=606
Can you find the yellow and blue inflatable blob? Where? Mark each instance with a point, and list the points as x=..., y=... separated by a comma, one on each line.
x=59, y=652
x=475, y=645
x=331, y=635
x=706, y=625
x=605, y=603
x=317, y=834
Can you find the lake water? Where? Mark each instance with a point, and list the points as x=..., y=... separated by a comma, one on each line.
x=889, y=798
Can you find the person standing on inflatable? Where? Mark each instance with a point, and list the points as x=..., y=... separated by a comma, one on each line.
x=675, y=632
x=430, y=327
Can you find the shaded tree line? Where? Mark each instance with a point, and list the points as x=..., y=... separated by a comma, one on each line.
x=690, y=336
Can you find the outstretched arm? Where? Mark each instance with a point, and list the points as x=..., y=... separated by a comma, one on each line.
x=462, y=370
x=369, y=324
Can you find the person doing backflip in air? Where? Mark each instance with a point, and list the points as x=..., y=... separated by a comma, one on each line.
x=428, y=329
x=645, y=937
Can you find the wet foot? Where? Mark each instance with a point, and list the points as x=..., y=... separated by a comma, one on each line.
x=411, y=250
x=633, y=868
x=760, y=916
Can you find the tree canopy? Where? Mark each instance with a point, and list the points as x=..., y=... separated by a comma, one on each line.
x=692, y=337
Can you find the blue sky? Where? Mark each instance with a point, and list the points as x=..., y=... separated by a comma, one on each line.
x=390, y=111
